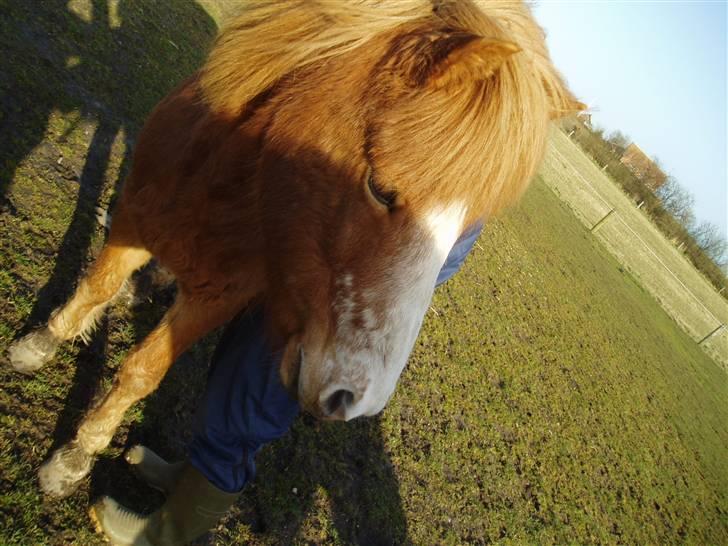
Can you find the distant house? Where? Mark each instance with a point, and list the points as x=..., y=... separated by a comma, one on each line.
x=643, y=167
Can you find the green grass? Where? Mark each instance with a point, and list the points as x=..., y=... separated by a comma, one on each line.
x=549, y=398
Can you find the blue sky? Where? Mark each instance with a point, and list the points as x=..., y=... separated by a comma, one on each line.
x=657, y=72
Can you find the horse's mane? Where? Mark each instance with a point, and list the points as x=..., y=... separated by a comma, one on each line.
x=269, y=40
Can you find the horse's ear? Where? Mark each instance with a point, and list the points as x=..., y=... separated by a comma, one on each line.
x=461, y=57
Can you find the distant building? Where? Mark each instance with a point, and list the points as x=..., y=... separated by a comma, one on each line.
x=643, y=167
x=585, y=118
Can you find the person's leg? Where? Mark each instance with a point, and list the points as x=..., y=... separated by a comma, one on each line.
x=244, y=407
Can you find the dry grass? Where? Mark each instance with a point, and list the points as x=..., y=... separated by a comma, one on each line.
x=629, y=235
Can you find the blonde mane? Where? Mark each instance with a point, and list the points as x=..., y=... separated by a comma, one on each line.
x=269, y=40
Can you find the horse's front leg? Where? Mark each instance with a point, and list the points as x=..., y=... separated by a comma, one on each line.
x=117, y=261
x=141, y=372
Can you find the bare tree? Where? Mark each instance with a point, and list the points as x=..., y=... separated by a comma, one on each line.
x=677, y=201
x=712, y=240
x=619, y=141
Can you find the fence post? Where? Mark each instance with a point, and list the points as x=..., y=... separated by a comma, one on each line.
x=600, y=222
x=711, y=334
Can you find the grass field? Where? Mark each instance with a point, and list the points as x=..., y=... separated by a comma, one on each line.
x=549, y=398
x=684, y=293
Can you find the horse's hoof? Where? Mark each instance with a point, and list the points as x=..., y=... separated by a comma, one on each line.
x=60, y=475
x=29, y=353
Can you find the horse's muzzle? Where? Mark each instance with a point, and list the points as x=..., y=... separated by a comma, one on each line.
x=328, y=400
x=336, y=403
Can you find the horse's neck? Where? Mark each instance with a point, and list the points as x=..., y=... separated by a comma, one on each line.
x=193, y=192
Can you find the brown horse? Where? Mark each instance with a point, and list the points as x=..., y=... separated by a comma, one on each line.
x=322, y=162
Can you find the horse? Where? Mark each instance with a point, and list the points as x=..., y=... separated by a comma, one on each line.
x=321, y=164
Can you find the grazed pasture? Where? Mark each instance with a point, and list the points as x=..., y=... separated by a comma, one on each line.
x=549, y=398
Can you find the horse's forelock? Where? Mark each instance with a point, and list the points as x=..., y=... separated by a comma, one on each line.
x=268, y=40
x=482, y=143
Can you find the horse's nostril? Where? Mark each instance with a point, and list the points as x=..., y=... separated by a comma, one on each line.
x=336, y=404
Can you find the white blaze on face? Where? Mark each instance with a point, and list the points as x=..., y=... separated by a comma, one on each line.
x=367, y=359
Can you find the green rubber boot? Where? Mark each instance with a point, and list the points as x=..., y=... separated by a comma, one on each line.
x=154, y=470
x=192, y=508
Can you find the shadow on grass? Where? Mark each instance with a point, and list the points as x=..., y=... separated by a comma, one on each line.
x=108, y=64
x=320, y=482
x=340, y=468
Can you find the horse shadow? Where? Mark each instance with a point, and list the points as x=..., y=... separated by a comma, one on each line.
x=109, y=65
x=105, y=64
x=349, y=470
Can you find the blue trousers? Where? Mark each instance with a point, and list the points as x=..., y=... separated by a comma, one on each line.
x=245, y=405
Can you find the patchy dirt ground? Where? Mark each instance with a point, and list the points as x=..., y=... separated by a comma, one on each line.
x=548, y=400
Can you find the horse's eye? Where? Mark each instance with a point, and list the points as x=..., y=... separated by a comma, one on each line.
x=388, y=198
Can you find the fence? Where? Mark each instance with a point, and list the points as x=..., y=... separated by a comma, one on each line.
x=637, y=244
